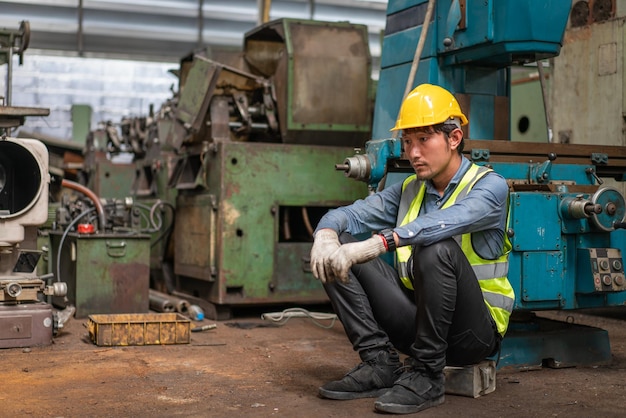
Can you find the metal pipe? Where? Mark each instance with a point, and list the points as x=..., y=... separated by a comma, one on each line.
x=200, y=24
x=264, y=11
x=255, y=126
x=91, y=195
x=160, y=302
x=180, y=305
x=7, y=99
x=79, y=32
x=418, y=53
x=544, y=96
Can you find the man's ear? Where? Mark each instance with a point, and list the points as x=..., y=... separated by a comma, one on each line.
x=455, y=138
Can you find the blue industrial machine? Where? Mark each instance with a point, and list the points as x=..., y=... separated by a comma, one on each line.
x=566, y=226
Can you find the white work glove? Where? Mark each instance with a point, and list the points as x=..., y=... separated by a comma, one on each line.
x=352, y=253
x=325, y=243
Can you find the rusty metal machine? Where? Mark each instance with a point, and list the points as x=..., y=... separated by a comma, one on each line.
x=71, y=251
x=254, y=137
x=567, y=212
x=26, y=319
x=112, y=219
x=14, y=42
x=226, y=179
x=101, y=248
x=129, y=165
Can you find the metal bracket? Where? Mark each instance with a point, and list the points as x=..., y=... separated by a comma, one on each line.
x=480, y=154
x=599, y=158
x=541, y=172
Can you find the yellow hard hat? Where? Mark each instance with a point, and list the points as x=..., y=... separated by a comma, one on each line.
x=428, y=105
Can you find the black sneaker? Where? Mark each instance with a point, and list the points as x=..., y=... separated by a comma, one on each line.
x=416, y=390
x=369, y=379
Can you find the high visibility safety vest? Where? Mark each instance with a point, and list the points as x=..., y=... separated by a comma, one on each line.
x=492, y=274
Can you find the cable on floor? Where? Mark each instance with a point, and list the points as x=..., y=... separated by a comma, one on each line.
x=281, y=318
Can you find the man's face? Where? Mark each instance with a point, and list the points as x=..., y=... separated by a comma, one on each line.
x=429, y=152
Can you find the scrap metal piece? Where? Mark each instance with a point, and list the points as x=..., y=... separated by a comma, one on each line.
x=473, y=381
x=159, y=302
x=168, y=302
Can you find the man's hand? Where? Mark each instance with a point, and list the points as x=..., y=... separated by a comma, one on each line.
x=325, y=243
x=352, y=253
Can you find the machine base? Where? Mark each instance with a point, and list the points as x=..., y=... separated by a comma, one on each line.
x=543, y=342
x=26, y=325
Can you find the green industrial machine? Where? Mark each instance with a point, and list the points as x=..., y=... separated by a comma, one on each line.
x=226, y=180
x=256, y=141
x=109, y=230
x=126, y=167
x=247, y=238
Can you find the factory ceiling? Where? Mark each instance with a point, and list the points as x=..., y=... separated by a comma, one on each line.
x=166, y=30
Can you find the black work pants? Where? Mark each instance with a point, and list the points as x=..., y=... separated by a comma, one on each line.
x=443, y=321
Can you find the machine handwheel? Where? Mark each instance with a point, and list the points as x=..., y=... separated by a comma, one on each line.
x=613, y=208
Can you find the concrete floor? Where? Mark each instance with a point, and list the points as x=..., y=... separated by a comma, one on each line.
x=247, y=368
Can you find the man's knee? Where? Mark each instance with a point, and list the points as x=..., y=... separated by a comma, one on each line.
x=423, y=257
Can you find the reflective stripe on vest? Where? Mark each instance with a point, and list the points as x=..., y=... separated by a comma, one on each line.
x=491, y=274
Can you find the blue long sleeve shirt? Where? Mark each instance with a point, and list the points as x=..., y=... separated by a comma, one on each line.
x=483, y=212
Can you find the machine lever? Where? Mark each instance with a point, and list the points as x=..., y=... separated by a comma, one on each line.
x=592, y=171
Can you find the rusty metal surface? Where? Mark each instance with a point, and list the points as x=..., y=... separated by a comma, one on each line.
x=501, y=117
x=139, y=329
x=18, y=111
x=272, y=371
x=585, y=13
x=25, y=325
x=105, y=273
x=245, y=239
x=507, y=151
x=112, y=180
x=323, y=94
x=203, y=78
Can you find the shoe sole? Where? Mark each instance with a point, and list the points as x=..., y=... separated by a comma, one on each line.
x=346, y=396
x=394, y=408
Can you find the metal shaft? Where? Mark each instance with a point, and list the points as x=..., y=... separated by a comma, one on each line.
x=179, y=304
x=160, y=302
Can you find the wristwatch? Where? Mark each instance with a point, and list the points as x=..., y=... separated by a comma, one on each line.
x=390, y=243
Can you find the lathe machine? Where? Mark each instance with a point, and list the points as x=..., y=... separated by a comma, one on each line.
x=566, y=220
